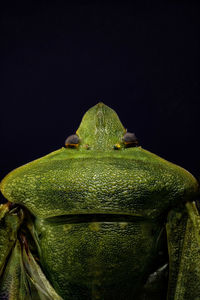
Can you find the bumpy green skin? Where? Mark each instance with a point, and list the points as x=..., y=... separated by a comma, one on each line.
x=99, y=212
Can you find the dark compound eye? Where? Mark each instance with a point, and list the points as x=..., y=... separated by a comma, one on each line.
x=130, y=139
x=72, y=141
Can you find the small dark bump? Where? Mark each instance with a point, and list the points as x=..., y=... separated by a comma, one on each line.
x=72, y=141
x=130, y=139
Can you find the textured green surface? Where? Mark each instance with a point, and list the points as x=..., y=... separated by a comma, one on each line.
x=100, y=128
x=99, y=212
x=99, y=258
x=133, y=181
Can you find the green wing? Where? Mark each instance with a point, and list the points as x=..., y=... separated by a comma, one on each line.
x=183, y=235
x=21, y=277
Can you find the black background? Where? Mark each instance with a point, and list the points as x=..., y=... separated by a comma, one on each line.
x=60, y=58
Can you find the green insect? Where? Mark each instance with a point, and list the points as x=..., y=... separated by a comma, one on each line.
x=100, y=218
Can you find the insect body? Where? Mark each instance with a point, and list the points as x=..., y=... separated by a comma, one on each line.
x=101, y=218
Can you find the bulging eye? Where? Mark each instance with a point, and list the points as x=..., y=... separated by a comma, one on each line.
x=130, y=139
x=72, y=141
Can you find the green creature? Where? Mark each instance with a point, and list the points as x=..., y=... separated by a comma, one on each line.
x=100, y=218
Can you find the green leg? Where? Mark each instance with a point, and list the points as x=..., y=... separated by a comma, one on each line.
x=183, y=233
x=10, y=221
x=21, y=277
